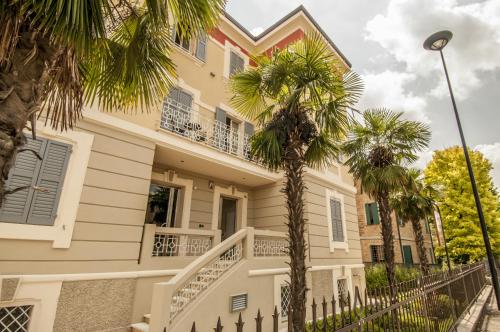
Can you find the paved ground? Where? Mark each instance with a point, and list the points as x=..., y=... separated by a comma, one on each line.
x=491, y=321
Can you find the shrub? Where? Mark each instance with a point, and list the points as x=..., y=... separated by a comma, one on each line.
x=376, y=275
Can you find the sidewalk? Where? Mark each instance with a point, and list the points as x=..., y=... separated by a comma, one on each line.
x=491, y=321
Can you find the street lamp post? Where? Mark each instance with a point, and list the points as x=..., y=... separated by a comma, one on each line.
x=437, y=42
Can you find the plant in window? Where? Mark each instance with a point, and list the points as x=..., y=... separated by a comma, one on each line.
x=412, y=202
x=55, y=56
x=377, y=149
x=300, y=97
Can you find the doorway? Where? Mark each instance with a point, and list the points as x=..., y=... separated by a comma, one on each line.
x=228, y=213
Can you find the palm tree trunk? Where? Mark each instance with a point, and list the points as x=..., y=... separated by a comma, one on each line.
x=21, y=78
x=388, y=238
x=419, y=239
x=294, y=190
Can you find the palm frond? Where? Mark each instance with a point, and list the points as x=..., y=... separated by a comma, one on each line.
x=132, y=69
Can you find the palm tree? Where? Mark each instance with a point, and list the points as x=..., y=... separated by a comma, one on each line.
x=55, y=56
x=377, y=150
x=413, y=202
x=299, y=96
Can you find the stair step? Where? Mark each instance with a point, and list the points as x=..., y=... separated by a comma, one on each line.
x=146, y=318
x=140, y=327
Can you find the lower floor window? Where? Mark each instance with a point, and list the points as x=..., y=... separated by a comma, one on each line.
x=285, y=300
x=15, y=319
x=342, y=291
x=377, y=253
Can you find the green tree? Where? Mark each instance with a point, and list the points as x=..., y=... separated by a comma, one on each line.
x=299, y=98
x=57, y=55
x=377, y=150
x=447, y=171
x=413, y=202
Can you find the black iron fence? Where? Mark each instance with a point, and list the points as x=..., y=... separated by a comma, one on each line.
x=432, y=303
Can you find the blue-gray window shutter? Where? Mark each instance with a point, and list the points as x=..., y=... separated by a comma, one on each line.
x=220, y=115
x=181, y=97
x=201, y=47
x=50, y=181
x=249, y=129
x=336, y=216
x=236, y=63
x=24, y=173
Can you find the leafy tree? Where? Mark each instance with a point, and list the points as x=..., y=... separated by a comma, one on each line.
x=447, y=171
x=57, y=55
x=377, y=150
x=413, y=202
x=299, y=97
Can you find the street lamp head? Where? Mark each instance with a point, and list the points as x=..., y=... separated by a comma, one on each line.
x=438, y=40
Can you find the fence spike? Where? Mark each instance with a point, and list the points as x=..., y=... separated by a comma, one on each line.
x=275, y=319
x=314, y=316
x=334, y=313
x=193, y=328
x=325, y=314
x=258, y=321
x=219, y=326
x=239, y=324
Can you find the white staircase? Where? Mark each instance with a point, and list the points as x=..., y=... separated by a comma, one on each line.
x=176, y=294
x=172, y=298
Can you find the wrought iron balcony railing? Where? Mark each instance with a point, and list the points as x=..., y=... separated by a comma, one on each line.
x=184, y=121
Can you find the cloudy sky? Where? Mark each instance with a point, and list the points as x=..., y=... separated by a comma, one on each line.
x=383, y=40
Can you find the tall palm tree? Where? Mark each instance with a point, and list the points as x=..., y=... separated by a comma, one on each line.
x=57, y=55
x=299, y=96
x=413, y=202
x=377, y=150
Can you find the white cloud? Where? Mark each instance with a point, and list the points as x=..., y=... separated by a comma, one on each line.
x=474, y=48
x=387, y=89
x=492, y=153
x=423, y=160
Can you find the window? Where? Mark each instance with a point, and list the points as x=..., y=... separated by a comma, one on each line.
x=400, y=220
x=336, y=220
x=15, y=318
x=342, y=291
x=179, y=39
x=377, y=253
x=371, y=211
x=162, y=205
x=285, y=294
x=407, y=255
x=30, y=206
x=236, y=63
x=201, y=47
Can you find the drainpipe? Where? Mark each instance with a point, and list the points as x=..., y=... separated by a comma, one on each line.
x=400, y=243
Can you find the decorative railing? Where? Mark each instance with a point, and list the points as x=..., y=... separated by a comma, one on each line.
x=181, y=242
x=182, y=120
x=164, y=242
x=270, y=244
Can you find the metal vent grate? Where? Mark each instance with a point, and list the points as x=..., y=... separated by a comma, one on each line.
x=239, y=302
x=15, y=319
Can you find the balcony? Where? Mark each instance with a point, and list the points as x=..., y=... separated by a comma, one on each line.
x=184, y=121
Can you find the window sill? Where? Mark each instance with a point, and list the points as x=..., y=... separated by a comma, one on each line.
x=188, y=54
x=339, y=245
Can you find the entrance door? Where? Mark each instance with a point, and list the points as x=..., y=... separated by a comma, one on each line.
x=408, y=258
x=227, y=217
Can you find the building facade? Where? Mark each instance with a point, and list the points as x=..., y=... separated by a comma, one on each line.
x=370, y=232
x=151, y=221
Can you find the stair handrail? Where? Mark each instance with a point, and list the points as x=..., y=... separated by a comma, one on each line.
x=207, y=257
x=163, y=291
